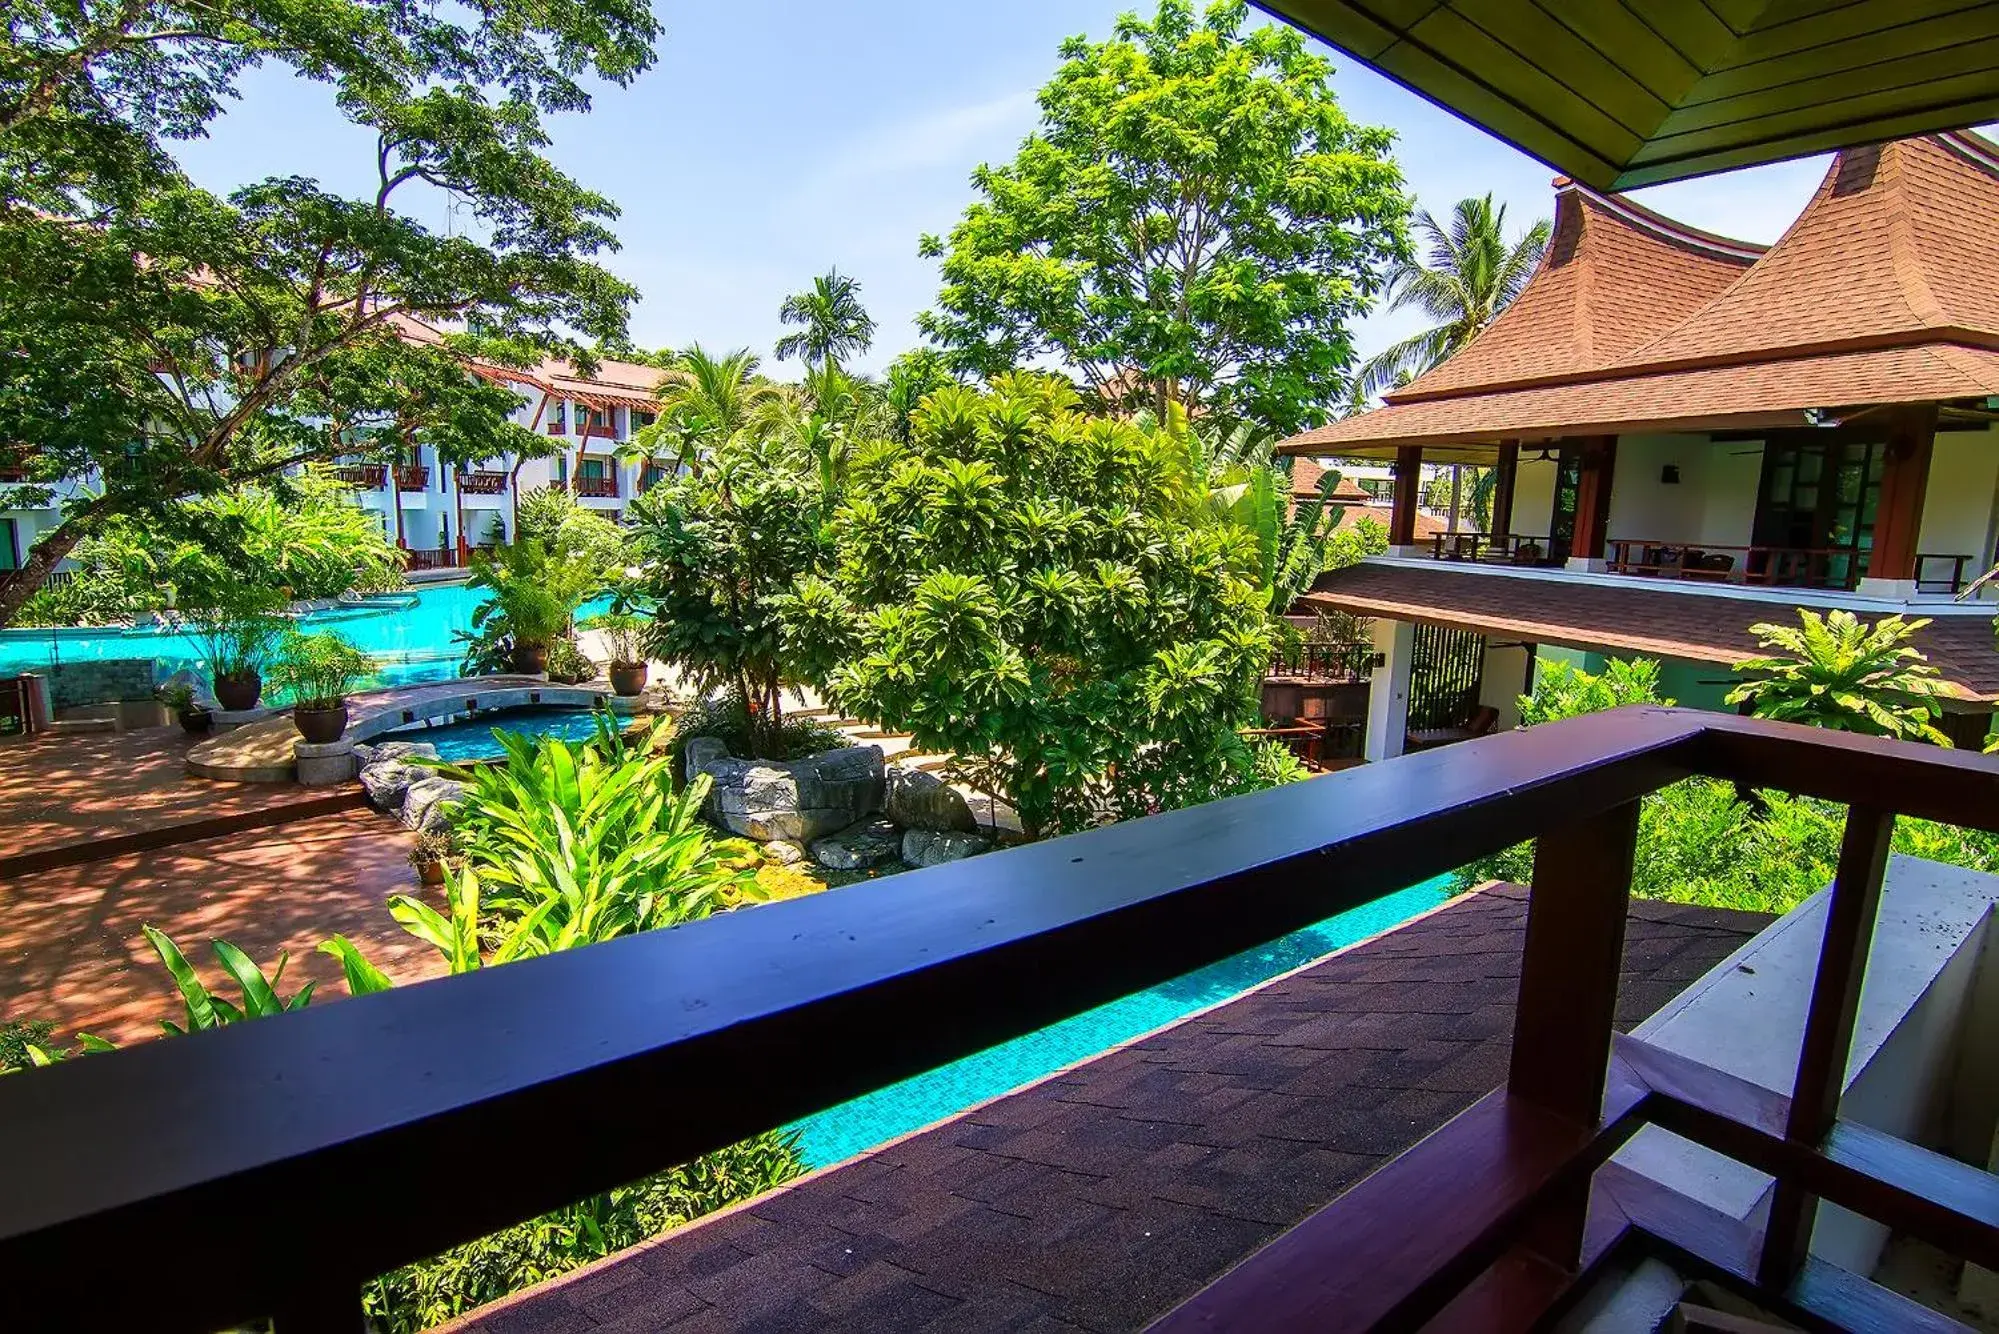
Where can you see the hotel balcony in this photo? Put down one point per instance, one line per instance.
(363, 476)
(1538, 1180)
(484, 487)
(602, 487)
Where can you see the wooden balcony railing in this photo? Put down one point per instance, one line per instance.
(412, 476)
(606, 485)
(1507, 549)
(430, 558)
(483, 483)
(367, 476)
(266, 1169)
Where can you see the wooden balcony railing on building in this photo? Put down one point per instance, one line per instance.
(431, 558)
(412, 476)
(367, 476)
(278, 1210)
(483, 483)
(606, 485)
(1835, 568)
(1505, 549)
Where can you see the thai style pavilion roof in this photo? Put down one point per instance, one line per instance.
(1885, 290)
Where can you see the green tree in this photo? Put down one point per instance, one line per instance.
(1564, 690)
(1473, 272)
(833, 324)
(1837, 671)
(1195, 221)
(705, 399)
(717, 549)
(1019, 584)
(184, 344)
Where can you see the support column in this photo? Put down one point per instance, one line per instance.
(1597, 456)
(1905, 481)
(1388, 689)
(1505, 472)
(1408, 491)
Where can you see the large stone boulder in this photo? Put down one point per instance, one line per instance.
(934, 847)
(428, 802)
(862, 844)
(794, 800)
(387, 780)
(918, 800)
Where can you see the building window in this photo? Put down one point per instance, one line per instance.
(558, 417)
(591, 469)
(562, 470)
(642, 419)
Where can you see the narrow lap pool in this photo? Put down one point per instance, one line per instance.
(838, 1133)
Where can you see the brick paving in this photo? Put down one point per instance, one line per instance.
(1101, 1197)
(59, 789)
(71, 949)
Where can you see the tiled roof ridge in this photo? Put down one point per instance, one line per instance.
(1664, 227)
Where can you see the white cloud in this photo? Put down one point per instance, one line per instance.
(953, 138)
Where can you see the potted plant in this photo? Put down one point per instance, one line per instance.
(623, 633)
(566, 662)
(179, 697)
(532, 602)
(317, 671)
(239, 644)
(431, 855)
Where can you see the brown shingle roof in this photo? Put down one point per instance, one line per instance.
(1306, 476)
(1885, 290)
(1641, 618)
(1614, 277)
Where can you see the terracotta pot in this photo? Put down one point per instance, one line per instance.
(196, 721)
(628, 678)
(531, 659)
(239, 692)
(430, 871)
(320, 727)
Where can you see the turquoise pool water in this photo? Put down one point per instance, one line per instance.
(839, 1133)
(409, 633)
(472, 738)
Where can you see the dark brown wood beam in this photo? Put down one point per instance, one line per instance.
(1905, 481)
(1408, 491)
(1599, 455)
(1505, 472)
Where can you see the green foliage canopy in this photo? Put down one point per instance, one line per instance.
(165, 342)
(1021, 586)
(1196, 220)
(1836, 671)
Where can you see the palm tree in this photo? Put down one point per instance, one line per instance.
(704, 399)
(1472, 275)
(1836, 672)
(834, 324)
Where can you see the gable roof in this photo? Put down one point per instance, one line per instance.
(1614, 277)
(1885, 290)
(1307, 474)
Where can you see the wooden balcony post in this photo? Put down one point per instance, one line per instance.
(1408, 490)
(1593, 498)
(1562, 1030)
(1905, 479)
(1504, 473)
(1849, 931)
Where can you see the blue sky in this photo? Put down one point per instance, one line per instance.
(775, 138)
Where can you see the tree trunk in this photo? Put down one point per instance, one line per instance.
(17, 586)
(1457, 494)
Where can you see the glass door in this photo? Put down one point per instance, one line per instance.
(1815, 516)
(1562, 518)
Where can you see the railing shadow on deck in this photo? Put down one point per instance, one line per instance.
(270, 1169)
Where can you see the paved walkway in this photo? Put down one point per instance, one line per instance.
(60, 789)
(1105, 1195)
(71, 949)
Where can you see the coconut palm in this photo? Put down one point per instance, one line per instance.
(704, 399)
(833, 323)
(1837, 672)
(1472, 274)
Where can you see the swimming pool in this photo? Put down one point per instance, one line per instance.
(853, 1127)
(409, 633)
(472, 738)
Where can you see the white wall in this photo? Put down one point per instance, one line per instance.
(1957, 510)
(1732, 475)
(1533, 495)
(1643, 506)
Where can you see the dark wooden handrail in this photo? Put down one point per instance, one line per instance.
(265, 1169)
